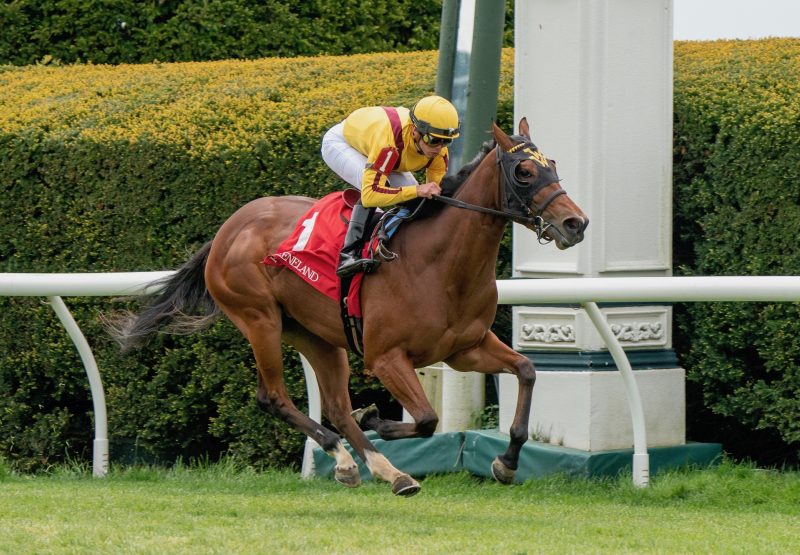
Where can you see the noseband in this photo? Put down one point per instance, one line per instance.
(517, 195)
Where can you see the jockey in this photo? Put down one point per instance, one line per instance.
(375, 149)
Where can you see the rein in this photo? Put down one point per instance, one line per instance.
(508, 182)
(477, 208)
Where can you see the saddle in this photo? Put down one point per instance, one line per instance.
(312, 252)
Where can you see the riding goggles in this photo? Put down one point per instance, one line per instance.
(436, 141)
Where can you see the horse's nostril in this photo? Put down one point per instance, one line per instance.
(574, 225)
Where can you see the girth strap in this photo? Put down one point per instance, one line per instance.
(352, 325)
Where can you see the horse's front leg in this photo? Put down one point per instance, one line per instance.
(492, 356)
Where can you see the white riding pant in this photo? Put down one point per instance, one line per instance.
(349, 164)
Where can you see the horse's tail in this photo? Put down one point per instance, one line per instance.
(182, 305)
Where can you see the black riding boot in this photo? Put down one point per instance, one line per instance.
(348, 262)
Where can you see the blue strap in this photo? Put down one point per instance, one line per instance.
(395, 220)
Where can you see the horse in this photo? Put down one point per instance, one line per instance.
(435, 302)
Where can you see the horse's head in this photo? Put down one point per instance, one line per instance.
(532, 191)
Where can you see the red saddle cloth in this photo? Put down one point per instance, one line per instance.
(312, 250)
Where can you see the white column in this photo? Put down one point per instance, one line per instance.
(594, 79)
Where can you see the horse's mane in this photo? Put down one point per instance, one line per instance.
(450, 184)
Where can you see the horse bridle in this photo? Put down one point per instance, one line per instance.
(518, 195)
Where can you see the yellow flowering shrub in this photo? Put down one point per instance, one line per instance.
(210, 106)
(204, 106)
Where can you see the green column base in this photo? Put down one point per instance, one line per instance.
(541, 459)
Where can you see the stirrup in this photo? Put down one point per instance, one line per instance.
(353, 265)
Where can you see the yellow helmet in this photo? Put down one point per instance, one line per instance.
(435, 116)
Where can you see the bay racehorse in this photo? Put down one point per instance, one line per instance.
(435, 302)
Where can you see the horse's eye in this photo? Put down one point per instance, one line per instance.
(523, 173)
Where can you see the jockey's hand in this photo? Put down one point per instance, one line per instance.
(427, 190)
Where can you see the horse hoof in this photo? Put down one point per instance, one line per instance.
(359, 415)
(405, 485)
(501, 472)
(349, 477)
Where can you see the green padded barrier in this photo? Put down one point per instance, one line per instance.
(419, 457)
(474, 450)
(541, 459)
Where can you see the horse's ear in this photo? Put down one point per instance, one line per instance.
(502, 139)
(524, 130)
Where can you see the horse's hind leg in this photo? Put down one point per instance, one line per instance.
(333, 372)
(263, 329)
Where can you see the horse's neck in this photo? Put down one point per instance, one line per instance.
(464, 243)
(482, 187)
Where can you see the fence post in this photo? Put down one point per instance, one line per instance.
(314, 412)
(100, 447)
(641, 460)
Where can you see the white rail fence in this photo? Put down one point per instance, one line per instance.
(587, 292)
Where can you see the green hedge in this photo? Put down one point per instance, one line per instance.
(128, 31)
(132, 31)
(737, 212)
(132, 168)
